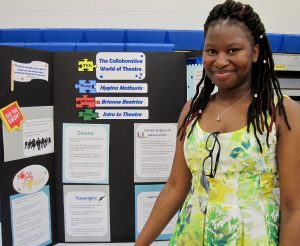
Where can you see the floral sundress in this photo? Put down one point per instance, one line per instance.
(238, 206)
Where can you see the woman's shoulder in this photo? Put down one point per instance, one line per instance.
(292, 110)
(291, 106)
(187, 106)
(185, 110)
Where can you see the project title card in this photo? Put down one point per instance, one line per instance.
(120, 66)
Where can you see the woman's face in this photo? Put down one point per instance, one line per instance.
(228, 54)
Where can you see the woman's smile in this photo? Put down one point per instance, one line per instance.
(222, 75)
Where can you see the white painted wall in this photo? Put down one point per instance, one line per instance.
(279, 16)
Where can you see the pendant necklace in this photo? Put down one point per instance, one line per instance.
(218, 118)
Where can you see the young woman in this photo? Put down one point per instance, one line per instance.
(232, 145)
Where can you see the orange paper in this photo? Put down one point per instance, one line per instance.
(12, 116)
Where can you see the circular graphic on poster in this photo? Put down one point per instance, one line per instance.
(30, 179)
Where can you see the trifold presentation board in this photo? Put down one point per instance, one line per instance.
(87, 142)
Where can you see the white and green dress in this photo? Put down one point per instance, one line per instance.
(237, 206)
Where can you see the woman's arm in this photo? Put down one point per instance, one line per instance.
(171, 197)
(288, 156)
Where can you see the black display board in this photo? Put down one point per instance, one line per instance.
(31, 94)
(165, 77)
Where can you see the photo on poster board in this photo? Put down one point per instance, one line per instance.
(85, 153)
(31, 218)
(35, 138)
(86, 213)
(154, 148)
(145, 197)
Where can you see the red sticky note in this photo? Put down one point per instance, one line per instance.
(12, 116)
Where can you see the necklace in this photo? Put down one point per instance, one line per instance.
(218, 118)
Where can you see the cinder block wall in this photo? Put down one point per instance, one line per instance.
(279, 16)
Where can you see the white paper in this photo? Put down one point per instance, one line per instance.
(154, 151)
(25, 72)
(145, 197)
(31, 218)
(193, 77)
(86, 213)
(85, 153)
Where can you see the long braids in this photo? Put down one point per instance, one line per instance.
(199, 102)
(264, 80)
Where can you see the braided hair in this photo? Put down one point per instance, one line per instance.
(264, 80)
